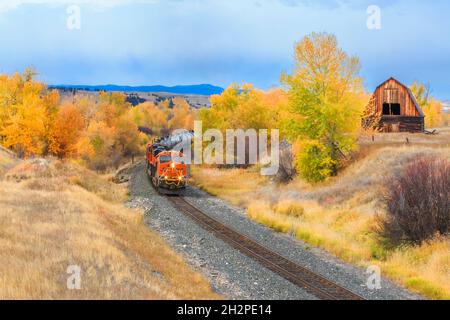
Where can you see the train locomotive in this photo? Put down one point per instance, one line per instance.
(166, 168)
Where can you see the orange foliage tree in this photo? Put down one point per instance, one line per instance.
(101, 131)
(65, 131)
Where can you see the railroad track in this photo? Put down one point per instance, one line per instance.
(311, 282)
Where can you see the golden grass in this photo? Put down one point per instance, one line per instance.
(350, 236)
(7, 160)
(289, 207)
(230, 184)
(342, 216)
(65, 216)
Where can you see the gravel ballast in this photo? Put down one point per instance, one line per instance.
(231, 273)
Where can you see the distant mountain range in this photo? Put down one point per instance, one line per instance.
(200, 89)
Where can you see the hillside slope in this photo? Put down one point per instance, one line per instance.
(342, 215)
(56, 215)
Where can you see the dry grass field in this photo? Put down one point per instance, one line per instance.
(55, 214)
(342, 215)
(7, 160)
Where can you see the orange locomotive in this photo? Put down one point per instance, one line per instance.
(166, 168)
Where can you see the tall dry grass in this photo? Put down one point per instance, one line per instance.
(231, 184)
(343, 214)
(7, 160)
(64, 215)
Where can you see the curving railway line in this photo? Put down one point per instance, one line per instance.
(311, 282)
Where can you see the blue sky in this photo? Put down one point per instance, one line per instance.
(147, 42)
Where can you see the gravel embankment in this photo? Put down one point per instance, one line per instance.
(231, 273)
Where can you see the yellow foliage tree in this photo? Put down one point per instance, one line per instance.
(24, 131)
(244, 107)
(127, 135)
(432, 108)
(26, 113)
(151, 116)
(182, 116)
(325, 101)
(98, 153)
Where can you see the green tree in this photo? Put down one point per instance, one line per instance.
(326, 99)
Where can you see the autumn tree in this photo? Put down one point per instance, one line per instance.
(182, 116)
(65, 131)
(151, 116)
(220, 116)
(431, 107)
(128, 138)
(325, 103)
(87, 106)
(112, 133)
(112, 105)
(26, 110)
(244, 107)
(434, 116)
(96, 147)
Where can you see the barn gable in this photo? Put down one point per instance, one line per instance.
(410, 102)
(394, 109)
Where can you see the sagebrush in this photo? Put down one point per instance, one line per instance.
(417, 201)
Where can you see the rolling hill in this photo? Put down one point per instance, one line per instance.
(56, 215)
(200, 89)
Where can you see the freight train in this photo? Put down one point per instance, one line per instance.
(166, 168)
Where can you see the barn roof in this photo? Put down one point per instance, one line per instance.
(419, 109)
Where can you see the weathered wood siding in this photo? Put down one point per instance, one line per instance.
(410, 118)
(402, 124)
(393, 91)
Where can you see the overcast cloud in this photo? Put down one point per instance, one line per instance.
(219, 41)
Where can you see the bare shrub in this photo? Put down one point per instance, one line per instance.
(417, 200)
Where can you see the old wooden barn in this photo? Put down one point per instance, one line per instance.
(393, 108)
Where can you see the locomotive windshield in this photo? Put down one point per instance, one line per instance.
(165, 159)
(175, 159)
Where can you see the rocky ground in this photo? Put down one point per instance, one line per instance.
(231, 273)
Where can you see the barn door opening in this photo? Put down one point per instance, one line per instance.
(391, 109)
(392, 127)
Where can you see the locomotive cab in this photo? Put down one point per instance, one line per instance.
(171, 170)
(166, 169)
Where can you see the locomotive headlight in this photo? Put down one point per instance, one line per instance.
(180, 178)
(172, 165)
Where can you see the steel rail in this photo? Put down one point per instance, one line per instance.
(311, 282)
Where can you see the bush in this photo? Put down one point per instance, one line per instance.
(417, 200)
(315, 163)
